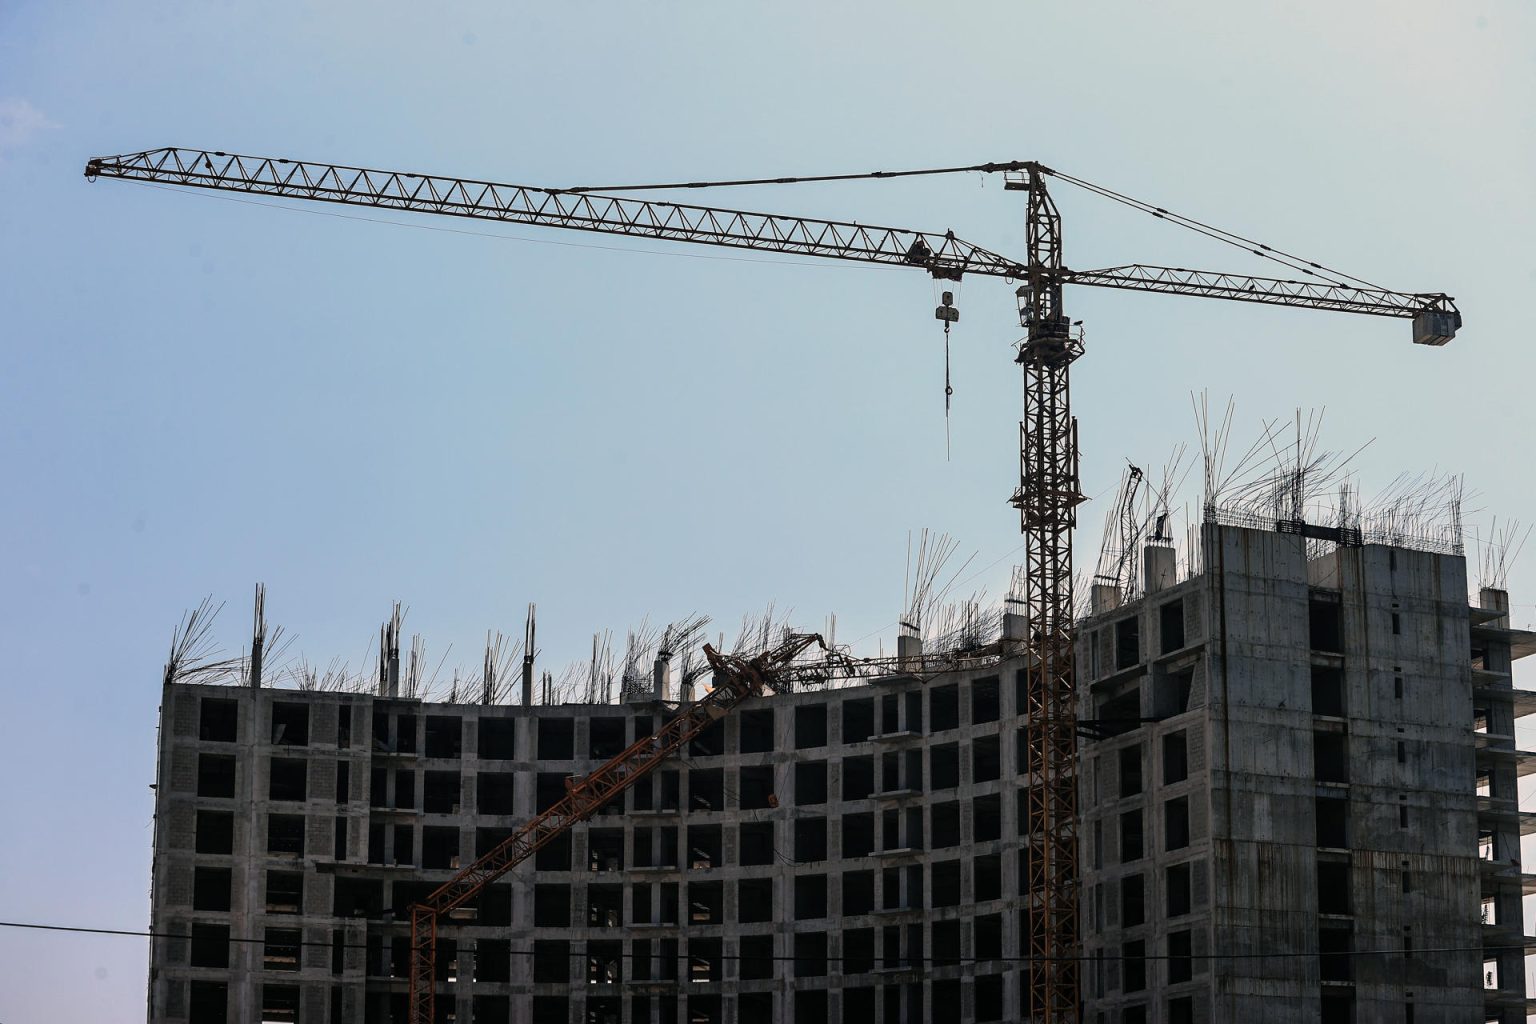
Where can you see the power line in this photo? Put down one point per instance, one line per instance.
(937, 960)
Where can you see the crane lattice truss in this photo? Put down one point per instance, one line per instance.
(1047, 495)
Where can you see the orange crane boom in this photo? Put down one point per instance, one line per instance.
(736, 680)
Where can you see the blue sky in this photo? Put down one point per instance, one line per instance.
(197, 394)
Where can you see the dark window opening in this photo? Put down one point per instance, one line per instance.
(985, 701)
(811, 960)
(858, 835)
(444, 736)
(1131, 840)
(285, 892)
(290, 724)
(344, 726)
(210, 889)
(754, 900)
(1176, 824)
(215, 832)
(208, 1002)
(1330, 756)
(1339, 1008)
(706, 903)
(810, 897)
(944, 708)
(756, 843)
(703, 966)
(605, 737)
(280, 950)
(218, 720)
(279, 1003)
(756, 732)
(551, 906)
(946, 884)
(986, 759)
(1397, 624)
(378, 787)
(1176, 887)
(1171, 692)
(405, 789)
(405, 731)
(756, 957)
(357, 897)
(343, 781)
(1334, 946)
(1332, 822)
(946, 826)
(988, 877)
(987, 818)
(858, 958)
(1170, 626)
(605, 849)
(1127, 642)
(1122, 714)
(1130, 770)
(858, 778)
(552, 963)
(944, 766)
(858, 893)
(810, 783)
(605, 906)
(1333, 887)
(1134, 966)
(440, 793)
(549, 788)
(405, 845)
(1133, 901)
(946, 943)
(890, 714)
(756, 788)
(210, 945)
(989, 997)
(987, 933)
(498, 739)
(288, 779)
(1325, 622)
(706, 847)
(1175, 758)
(554, 855)
(495, 791)
(1180, 957)
(1327, 691)
(285, 833)
(706, 789)
(439, 847)
(810, 726)
(557, 739)
(709, 743)
(215, 775)
(810, 839)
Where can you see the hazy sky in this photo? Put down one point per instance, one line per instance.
(199, 394)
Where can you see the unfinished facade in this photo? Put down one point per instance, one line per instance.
(1299, 801)
(840, 854)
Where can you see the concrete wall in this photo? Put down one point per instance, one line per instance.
(1266, 762)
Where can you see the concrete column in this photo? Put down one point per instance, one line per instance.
(1160, 568)
(1103, 597)
(660, 670)
(909, 651)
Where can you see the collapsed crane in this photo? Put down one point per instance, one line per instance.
(1048, 492)
(736, 680)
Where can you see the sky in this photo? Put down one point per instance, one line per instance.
(199, 394)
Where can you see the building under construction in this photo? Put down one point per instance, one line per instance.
(1297, 781)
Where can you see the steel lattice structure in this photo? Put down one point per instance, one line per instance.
(1047, 495)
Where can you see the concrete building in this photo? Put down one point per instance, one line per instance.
(1301, 802)
(843, 854)
(1298, 796)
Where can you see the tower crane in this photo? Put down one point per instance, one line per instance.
(1048, 492)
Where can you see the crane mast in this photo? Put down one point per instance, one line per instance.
(1047, 496)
